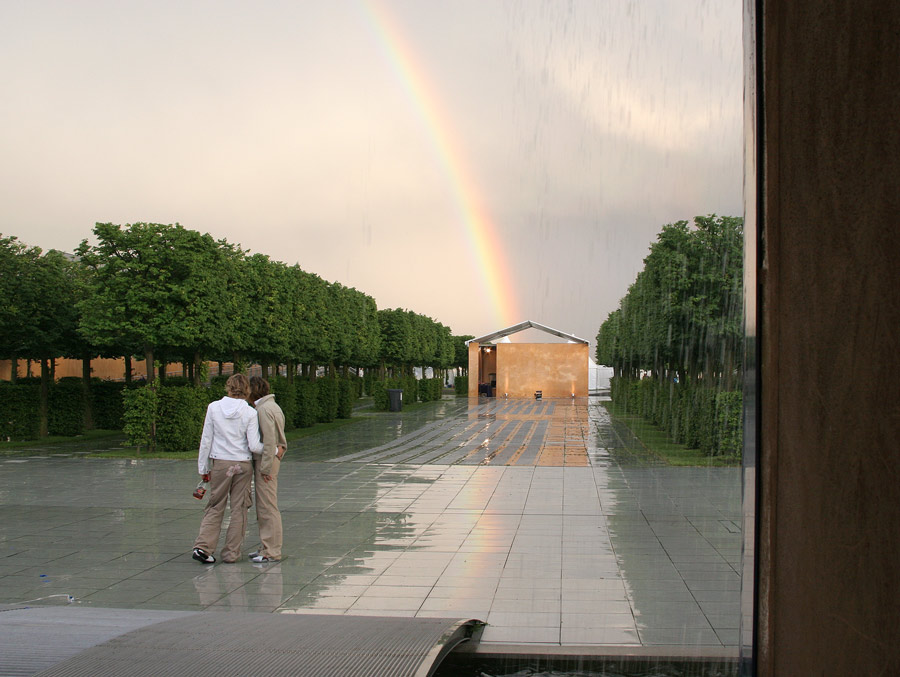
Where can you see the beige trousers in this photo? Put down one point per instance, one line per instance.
(267, 515)
(223, 489)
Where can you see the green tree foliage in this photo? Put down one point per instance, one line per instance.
(38, 316)
(675, 339)
(397, 343)
(155, 289)
(682, 315)
(411, 340)
(172, 294)
(461, 352)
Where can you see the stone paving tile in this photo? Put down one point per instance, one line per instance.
(614, 552)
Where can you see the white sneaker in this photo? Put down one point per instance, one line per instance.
(261, 559)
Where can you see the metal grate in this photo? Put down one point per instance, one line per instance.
(36, 638)
(274, 644)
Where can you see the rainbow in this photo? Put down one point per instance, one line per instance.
(480, 231)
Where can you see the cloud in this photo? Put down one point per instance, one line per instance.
(584, 127)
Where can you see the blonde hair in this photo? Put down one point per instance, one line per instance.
(238, 386)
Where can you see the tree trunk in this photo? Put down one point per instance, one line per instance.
(264, 369)
(128, 370)
(28, 368)
(148, 356)
(162, 371)
(729, 376)
(291, 368)
(86, 391)
(13, 369)
(196, 368)
(53, 369)
(221, 366)
(45, 395)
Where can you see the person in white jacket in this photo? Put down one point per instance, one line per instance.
(230, 436)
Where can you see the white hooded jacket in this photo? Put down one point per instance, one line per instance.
(230, 432)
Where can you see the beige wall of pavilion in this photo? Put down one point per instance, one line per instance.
(556, 369)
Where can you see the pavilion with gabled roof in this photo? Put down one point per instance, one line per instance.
(504, 369)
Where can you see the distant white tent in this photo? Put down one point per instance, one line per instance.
(598, 377)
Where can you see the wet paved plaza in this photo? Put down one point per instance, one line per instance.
(537, 517)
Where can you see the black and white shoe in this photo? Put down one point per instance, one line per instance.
(203, 557)
(253, 554)
(260, 559)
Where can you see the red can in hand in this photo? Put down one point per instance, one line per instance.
(200, 491)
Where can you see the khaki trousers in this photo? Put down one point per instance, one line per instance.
(267, 515)
(223, 489)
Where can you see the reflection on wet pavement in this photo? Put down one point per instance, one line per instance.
(548, 549)
(491, 432)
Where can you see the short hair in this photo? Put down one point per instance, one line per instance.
(259, 387)
(238, 386)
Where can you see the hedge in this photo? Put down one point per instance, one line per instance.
(65, 407)
(730, 411)
(369, 379)
(286, 397)
(347, 394)
(431, 389)
(168, 415)
(461, 386)
(108, 404)
(408, 384)
(139, 417)
(180, 414)
(327, 398)
(177, 381)
(217, 387)
(379, 395)
(307, 404)
(691, 414)
(20, 411)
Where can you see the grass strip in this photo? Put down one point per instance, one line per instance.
(90, 439)
(658, 442)
(96, 443)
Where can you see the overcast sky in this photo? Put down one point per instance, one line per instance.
(360, 139)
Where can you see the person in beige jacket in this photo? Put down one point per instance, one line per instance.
(265, 468)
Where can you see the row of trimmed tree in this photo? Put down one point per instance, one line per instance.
(171, 294)
(679, 329)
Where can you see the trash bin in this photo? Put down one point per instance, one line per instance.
(395, 398)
